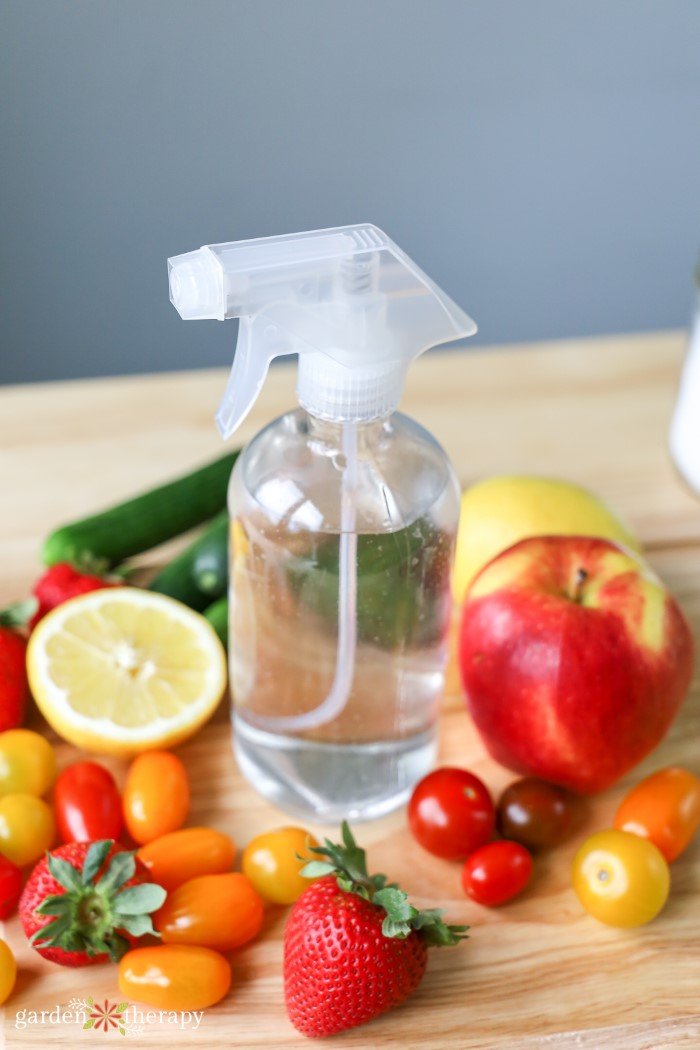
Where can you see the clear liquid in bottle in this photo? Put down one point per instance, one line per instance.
(285, 557)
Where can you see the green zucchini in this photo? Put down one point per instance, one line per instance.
(210, 567)
(107, 538)
(217, 615)
(179, 580)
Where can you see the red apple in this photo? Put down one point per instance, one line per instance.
(575, 659)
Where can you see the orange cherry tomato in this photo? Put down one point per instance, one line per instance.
(183, 855)
(271, 862)
(665, 809)
(156, 796)
(174, 976)
(218, 911)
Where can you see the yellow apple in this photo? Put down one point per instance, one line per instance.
(500, 511)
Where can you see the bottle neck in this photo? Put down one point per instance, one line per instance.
(331, 434)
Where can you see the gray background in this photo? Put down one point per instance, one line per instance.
(539, 158)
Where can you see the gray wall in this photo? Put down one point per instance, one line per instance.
(539, 158)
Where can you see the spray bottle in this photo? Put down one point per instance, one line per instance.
(343, 517)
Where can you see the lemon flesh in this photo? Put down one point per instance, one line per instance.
(123, 670)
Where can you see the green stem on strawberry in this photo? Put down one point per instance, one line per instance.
(18, 614)
(89, 914)
(349, 865)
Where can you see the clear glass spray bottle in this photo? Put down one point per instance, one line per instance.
(343, 517)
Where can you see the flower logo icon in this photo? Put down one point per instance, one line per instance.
(106, 1016)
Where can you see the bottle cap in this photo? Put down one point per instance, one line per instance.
(354, 307)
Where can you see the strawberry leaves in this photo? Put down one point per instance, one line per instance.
(122, 868)
(402, 918)
(64, 873)
(90, 912)
(348, 862)
(18, 614)
(94, 859)
(349, 865)
(399, 912)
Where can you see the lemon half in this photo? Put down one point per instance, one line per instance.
(122, 670)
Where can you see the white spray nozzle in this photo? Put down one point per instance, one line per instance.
(354, 307)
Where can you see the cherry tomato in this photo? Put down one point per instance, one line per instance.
(183, 855)
(8, 971)
(537, 814)
(451, 813)
(664, 808)
(10, 887)
(87, 804)
(27, 763)
(497, 872)
(174, 976)
(270, 862)
(620, 879)
(217, 911)
(156, 796)
(26, 828)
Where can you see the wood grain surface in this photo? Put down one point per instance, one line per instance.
(536, 973)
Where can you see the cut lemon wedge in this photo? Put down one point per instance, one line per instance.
(122, 670)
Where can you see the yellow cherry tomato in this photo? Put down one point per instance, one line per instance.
(620, 879)
(27, 763)
(8, 971)
(270, 862)
(27, 828)
(175, 976)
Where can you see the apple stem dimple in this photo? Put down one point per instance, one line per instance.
(581, 577)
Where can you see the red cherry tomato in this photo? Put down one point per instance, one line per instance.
(497, 872)
(10, 887)
(87, 804)
(451, 813)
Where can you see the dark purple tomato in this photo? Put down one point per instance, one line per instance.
(537, 814)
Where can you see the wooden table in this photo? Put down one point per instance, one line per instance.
(538, 972)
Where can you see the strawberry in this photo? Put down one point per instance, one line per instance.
(61, 582)
(10, 886)
(354, 946)
(13, 678)
(98, 900)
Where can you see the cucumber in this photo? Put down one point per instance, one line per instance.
(107, 538)
(217, 615)
(179, 580)
(210, 567)
(402, 578)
